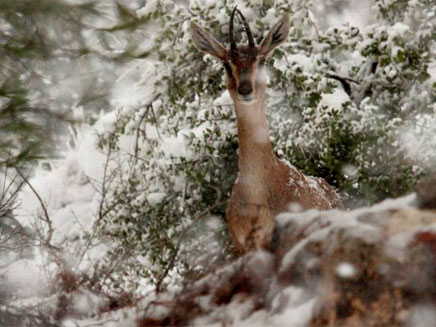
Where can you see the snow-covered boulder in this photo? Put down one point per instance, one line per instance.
(373, 266)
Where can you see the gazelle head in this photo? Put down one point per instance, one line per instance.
(243, 63)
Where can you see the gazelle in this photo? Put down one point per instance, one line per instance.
(266, 185)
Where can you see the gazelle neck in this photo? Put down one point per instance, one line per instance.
(255, 149)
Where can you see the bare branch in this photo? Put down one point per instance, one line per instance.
(43, 206)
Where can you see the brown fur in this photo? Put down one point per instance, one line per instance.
(251, 224)
(266, 185)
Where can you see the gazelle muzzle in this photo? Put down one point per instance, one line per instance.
(245, 88)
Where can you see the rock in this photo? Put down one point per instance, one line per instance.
(373, 266)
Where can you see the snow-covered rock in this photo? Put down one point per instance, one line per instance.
(367, 267)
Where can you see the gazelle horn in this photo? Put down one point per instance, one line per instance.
(231, 36)
(247, 30)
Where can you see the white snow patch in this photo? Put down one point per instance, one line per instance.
(419, 140)
(314, 184)
(298, 309)
(155, 198)
(334, 100)
(349, 171)
(178, 146)
(224, 99)
(345, 270)
(126, 317)
(301, 60)
(149, 8)
(423, 316)
(397, 30)
(26, 277)
(87, 303)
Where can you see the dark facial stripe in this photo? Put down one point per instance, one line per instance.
(228, 69)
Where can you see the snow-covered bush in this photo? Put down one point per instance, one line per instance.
(346, 131)
(342, 104)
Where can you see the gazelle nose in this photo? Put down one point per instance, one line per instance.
(245, 88)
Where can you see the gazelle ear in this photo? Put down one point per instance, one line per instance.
(278, 34)
(205, 42)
